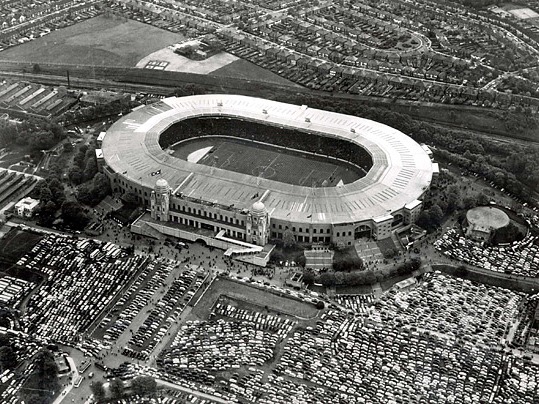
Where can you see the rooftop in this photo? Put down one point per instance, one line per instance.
(401, 170)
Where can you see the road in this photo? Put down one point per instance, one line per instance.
(164, 383)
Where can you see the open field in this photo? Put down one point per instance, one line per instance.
(251, 295)
(269, 162)
(17, 243)
(168, 60)
(243, 69)
(98, 41)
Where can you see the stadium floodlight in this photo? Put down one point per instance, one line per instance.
(307, 119)
(352, 130)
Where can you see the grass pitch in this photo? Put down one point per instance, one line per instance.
(270, 162)
(250, 295)
(99, 41)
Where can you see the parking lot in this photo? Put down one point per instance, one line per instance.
(518, 258)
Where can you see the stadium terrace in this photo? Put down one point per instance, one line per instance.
(254, 209)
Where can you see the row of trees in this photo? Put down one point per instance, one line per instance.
(357, 278)
(84, 165)
(36, 134)
(51, 194)
(42, 383)
(141, 385)
(8, 356)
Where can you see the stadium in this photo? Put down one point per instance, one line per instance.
(323, 176)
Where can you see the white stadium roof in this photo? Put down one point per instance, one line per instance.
(401, 170)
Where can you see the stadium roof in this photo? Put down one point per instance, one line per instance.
(401, 169)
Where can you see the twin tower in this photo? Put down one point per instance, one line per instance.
(252, 226)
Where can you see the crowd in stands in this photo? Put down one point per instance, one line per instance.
(294, 139)
(518, 258)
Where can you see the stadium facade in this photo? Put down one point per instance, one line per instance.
(252, 209)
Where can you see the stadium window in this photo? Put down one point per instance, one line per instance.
(300, 230)
(280, 227)
(242, 223)
(314, 231)
(349, 233)
(327, 231)
(273, 234)
(338, 234)
(221, 218)
(293, 229)
(273, 225)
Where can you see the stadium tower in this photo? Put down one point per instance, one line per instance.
(258, 221)
(160, 200)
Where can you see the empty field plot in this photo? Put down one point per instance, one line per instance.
(268, 161)
(243, 69)
(251, 295)
(17, 243)
(178, 63)
(98, 41)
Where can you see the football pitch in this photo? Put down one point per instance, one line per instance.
(271, 162)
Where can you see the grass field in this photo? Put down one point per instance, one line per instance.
(250, 295)
(17, 243)
(98, 41)
(243, 69)
(269, 162)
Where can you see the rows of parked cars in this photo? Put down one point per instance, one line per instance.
(517, 258)
(83, 276)
(152, 277)
(456, 308)
(167, 309)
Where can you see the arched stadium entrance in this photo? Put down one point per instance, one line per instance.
(397, 219)
(363, 230)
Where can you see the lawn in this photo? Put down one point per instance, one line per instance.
(100, 41)
(250, 295)
(17, 243)
(243, 69)
(269, 162)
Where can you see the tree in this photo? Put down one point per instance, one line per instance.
(42, 383)
(98, 390)
(129, 198)
(8, 358)
(73, 215)
(75, 175)
(289, 240)
(90, 169)
(144, 385)
(116, 387)
(327, 278)
(436, 215)
(276, 256)
(308, 277)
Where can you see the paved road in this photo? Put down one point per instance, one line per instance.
(169, 385)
